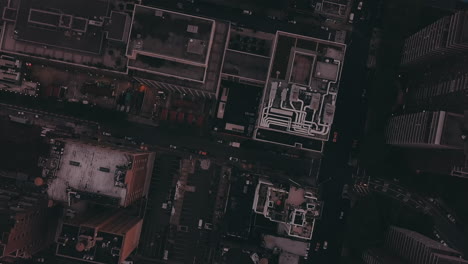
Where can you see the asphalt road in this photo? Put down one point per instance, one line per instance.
(334, 170)
(186, 139)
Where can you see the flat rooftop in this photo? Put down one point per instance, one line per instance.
(178, 52)
(296, 208)
(301, 90)
(170, 43)
(117, 28)
(91, 169)
(61, 24)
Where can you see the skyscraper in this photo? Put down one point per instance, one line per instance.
(434, 65)
(406, 246)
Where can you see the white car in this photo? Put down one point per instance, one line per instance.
(359, 7)
(172, 147)
(341, 215)
(292, 22)
(233, 159)
(325, 244)
(247, 12)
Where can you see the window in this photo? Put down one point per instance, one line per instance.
(74, 163)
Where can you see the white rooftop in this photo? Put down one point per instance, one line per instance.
(87, 176)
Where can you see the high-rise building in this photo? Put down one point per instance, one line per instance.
(27, 222)
(406, 246)
(448, 35)
(426, 130)
(100, 173)
(99, 236)
(434, 71)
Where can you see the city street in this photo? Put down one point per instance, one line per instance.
(348, 124)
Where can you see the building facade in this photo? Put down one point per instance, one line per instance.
(99, 236)
(416, 248)
(27, 223)
(438, 129)
(448, 35)
(406, 246)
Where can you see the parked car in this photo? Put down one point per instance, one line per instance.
(233, 159)
(247, 12)
(335, 137)
(234, 144)
(172, 147)
(325, 244)
(451, 218)
(341, 215)
(317, 246)
(351, 18)
(359, 7)
(203, 153)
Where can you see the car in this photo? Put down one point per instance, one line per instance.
(345, 192)
(317, 246)
(172, 147)
(107, 134)
(359, 7)
(341, 215)
(328, 20)
(233, 159)
(247, 12)
(203, 153)
(292, 21)
(335, 137)
(220, 141)
(451, 218)
(324, 28)
(351, 18)
(325, 244)
(273, 17)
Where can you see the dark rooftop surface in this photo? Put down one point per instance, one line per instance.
(117, 26)
(246, 65)
(90, 41)
(239, 212)
(24, 142)
(168, 67)
(168, 33)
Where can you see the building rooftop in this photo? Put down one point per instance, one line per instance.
(118, 27)
(297, 208)
(178, 52)
(91, 171)
(299, 99)
(99, 236)
(74, 25)
(171, 43)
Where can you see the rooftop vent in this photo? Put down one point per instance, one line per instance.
(192, 29)
(158, 13)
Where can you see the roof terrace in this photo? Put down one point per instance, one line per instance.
(296, 207)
